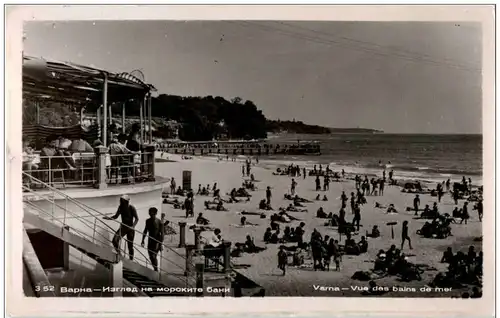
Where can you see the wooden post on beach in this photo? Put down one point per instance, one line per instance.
(182, 234)
(197, 238)
(227, 256)
(200, 268)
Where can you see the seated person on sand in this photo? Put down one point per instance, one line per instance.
(333, 220)
(274, 226)
(350, 246)
(391, 209)
(363, 245)
(274, 238)
(325, 198)
(375, 232)
(321, 213)
(250, 246)
(264, 206)
(241, 192)
(318, 197)
(199, 190)
(380, 262)
(267, 235)
(430, 214)
(238, 250)
(202, 220)
(179, 191)
(244, 222)
(447, 256)
(457, 213)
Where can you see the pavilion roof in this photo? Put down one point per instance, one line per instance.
(67, 82)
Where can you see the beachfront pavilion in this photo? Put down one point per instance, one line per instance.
(85, 88)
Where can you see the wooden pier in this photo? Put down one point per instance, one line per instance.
(227, 148)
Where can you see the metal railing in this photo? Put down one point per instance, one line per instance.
(63, 169)
(94, 228)
(130, 168)
(81, 169)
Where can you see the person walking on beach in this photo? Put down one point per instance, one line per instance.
(243, 170)
(318, 183)
(448, 185)
(129, 217)
(479, 208)
(357, 216)
(282, 259)
(155, 228)
(353, 202)
(440, 192)
(381, 186)
(293, 186)
(405, 236)
(172, 186)
(189, 205)
(268, 196)
(304, 172)
(465, 213)
(416, 204)
(344, 199)
(326, 183)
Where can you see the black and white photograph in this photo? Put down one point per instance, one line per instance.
(254, 158)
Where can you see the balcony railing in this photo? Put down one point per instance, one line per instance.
(80, 169)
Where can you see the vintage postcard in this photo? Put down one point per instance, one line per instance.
(250, 159)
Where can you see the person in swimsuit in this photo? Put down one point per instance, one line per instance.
(129, 217)
(156, 230)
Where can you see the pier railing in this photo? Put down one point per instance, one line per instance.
(242, 148)
(84, 169)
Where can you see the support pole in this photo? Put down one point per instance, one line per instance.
(105, 110)
(110, 115)
(123, 118)
(150, 119)
(81, 115)
(37, 105)
(141, 115)
(182, 234)
(116, 271)
(99, 123)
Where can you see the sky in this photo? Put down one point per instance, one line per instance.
(400, 77)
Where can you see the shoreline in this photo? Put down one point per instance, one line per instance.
(427, 179)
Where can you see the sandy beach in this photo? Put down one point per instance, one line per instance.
(302, 281)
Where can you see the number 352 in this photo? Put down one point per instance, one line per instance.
(44, 288)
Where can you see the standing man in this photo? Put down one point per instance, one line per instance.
(189, 205)
(405, 236)
(172, 186)
(268, 196)
(416, 204)
(155, 228)
(129, 217)
(304, 172)
(293, 186)
(479, 208)
(357, 216)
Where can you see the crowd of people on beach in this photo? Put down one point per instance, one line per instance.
(291, 241)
